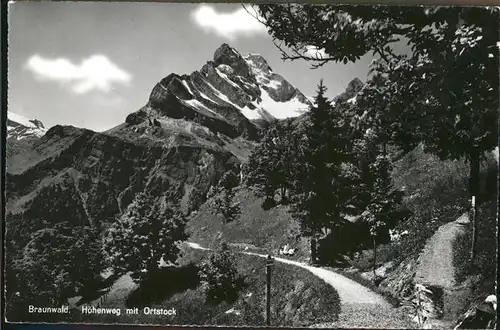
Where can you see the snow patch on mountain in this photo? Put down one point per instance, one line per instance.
(261, 70)
(20, 127)
(187, 87)
(199, 106)
(246, 111)
(251, 114)
(21, 120)
(208, 99)
(282, 110)
(266, 77)
(226, 78)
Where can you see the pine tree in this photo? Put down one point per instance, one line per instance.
(143, 236)
(312, 218)
(322, 190)
(379, 199)
(285, 155)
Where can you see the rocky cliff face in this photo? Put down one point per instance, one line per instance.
(351, 91)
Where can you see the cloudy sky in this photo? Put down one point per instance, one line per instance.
(91, 64)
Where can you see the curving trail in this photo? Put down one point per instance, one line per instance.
(436, 260)
(361, 307)
(349, 291)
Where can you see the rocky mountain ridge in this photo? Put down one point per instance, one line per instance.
(353, 88)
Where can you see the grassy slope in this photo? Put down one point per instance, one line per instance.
(298, 299)
(260, 230)
(436, 193)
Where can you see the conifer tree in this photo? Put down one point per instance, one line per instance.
(379, 201)
(321, 191)
(308, 207)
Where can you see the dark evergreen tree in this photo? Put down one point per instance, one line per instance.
(308, 207)
(384, 206)
(322, 187)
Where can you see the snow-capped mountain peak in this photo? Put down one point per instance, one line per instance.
(231, 94)
(20, 127)
(279, 98)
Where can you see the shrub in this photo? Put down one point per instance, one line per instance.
(196, 199)
(268, 204)
(57, 263)
(219, 276)
(229, 180)
(223, 197)
(143, 236)
(422, 305)
(223, 204)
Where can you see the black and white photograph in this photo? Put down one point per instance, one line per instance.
(252, 165)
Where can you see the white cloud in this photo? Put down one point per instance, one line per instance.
(96, 72)
(228, 25)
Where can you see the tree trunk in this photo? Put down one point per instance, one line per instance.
(474, 193)
(374, 258)
(339, 243)
(151, 268)
(313, 248)
(283, 194)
